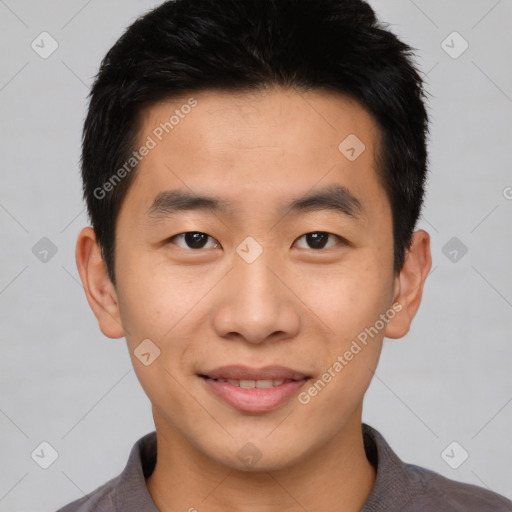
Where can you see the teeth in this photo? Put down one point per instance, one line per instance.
(249, 384)
(264, 384)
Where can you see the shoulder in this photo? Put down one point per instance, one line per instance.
(401, 486)
(436, 492)
(102, 498)
(127, 492)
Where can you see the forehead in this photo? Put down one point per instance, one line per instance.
(255, 148)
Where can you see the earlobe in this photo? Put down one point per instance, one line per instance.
(99, 290)
(409, 284)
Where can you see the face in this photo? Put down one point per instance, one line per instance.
(281, 282)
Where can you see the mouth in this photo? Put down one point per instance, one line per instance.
(254, 389)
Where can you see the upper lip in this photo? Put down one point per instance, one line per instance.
(237, 372)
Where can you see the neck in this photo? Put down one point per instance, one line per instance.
(336, 477)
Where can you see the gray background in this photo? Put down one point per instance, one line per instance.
(63, 382)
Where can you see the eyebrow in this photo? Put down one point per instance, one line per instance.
(332, 197)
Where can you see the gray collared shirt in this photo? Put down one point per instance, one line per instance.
(398, 486)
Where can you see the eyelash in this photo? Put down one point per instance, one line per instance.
(343, 241)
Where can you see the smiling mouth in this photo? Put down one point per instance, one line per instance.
(254, 390)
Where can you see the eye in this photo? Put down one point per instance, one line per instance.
(318, 240)
(197, 240)
(192, 239)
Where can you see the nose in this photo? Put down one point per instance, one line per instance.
(256, 303)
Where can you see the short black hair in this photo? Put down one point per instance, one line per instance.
(184, 46)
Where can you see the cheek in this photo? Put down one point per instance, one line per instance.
(349, 356)
(153, 297)
(351, 303)
(348, 298)
(161, 305)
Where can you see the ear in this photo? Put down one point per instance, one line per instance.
(409, 284)
(99, 290)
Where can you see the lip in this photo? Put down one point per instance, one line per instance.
(254, 399)
(238, 372)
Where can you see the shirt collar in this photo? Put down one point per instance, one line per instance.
(392, 482)
(390, 488)
(131, 493)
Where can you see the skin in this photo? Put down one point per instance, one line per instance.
(294, 306)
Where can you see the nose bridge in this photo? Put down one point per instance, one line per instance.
(256, 282)
(255, 303)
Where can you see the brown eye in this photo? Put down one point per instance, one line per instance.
(318, 240)
(192, 240)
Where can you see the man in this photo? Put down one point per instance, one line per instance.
(254, 171)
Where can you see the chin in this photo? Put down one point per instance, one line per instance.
(252, 458)
(264, 465)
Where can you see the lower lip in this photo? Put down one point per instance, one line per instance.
(254, 399)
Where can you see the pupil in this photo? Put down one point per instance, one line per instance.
(193, 239)
(317, 240)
